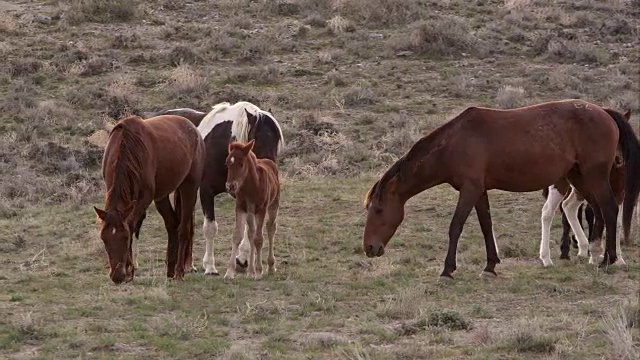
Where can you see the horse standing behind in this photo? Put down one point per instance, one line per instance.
(241, 121)
(255, 185)
(518, 150)
(563, 192)
(145, 161)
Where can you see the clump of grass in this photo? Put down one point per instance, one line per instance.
(353, 351)
(404, 304)
(184, 80)
(102, 11)
(122, 98)
(527, 337)
(8, 24)
(339, 25)
(181, 54)
(571, 51)
(446, 318)
(440, 37)
(128, 40)
(359, 94)
(382, 12)
(617, 327)
(511, 97)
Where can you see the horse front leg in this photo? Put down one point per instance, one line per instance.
(483, 211)
(241, 220)
(469, 195)
(257, 242)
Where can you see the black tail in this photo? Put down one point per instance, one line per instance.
(631, 154)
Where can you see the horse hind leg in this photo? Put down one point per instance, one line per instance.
(570, 207)
(242, 260)
(272, 214)
(188, 197)
(595, 182)
(548, 209)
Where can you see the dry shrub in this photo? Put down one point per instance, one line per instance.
(405, 304)
(122, 98)
(184, 80)
(102, 11)
(529, 337)
(130, 40)
(400, 133)
(618, 329)
(91, 67)
(381, 12)
(511, 97)
(359, 94)
(8, 24)
(626, 100)
(315, 20)
(517, 4)
(571, 51)
(339, 25)
(181, 54)
(440, 37)
(21, 95)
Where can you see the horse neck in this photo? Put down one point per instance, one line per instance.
(251, 185)
(424, 167)
(266, 146)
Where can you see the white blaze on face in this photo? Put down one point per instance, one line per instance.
(232, 160)
(113, 231)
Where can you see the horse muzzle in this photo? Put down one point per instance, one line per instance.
(374, 250)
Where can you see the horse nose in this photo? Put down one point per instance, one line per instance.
(231, 187)
(374, 250)
(118, 275)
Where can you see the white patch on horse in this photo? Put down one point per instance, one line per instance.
(232, 160)
(570, 206)
(219, 113)
(113, 231)
(210, 229)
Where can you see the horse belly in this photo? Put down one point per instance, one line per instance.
(525, 176)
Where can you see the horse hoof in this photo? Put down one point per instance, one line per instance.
(621, 261)
(229, 276)
(212, 272)
(547, 263)
(488, 275)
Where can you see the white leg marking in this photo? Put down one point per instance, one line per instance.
(570, 207)
(620, 260)
(210, 230)
(550, 206)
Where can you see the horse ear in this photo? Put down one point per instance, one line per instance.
(101, 214)
(269, 111)
(229, 149)
(627, 115)
(249, 146)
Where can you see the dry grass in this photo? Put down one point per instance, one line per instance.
(348, 107)
(619, 327)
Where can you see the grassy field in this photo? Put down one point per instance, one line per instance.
(353, 83)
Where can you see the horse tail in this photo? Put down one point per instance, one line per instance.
(631, 154)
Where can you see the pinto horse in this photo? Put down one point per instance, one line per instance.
(145, 161)
(242, 121)
(557, 194)
(255, 185)
(517, 150)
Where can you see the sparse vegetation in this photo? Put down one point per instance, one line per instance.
(354, 84)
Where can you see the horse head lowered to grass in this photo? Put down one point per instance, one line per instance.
(518, 150)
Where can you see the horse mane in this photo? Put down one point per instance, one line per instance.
(210, 121)
(240, 128)
(426, 143)
(131, 152)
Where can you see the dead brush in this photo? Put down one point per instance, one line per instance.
(618, 326)
(405, 304)
(511, 97)
(8, 24)
(185, 80)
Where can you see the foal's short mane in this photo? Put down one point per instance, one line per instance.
(130, 158)
(425, 144)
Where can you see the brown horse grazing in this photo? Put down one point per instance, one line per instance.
(145, 161)
(255, 185)
(518, 150)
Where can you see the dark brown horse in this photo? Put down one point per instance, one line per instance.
(145, 161)
(242, 121)
(255, 185)
(518, 150)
